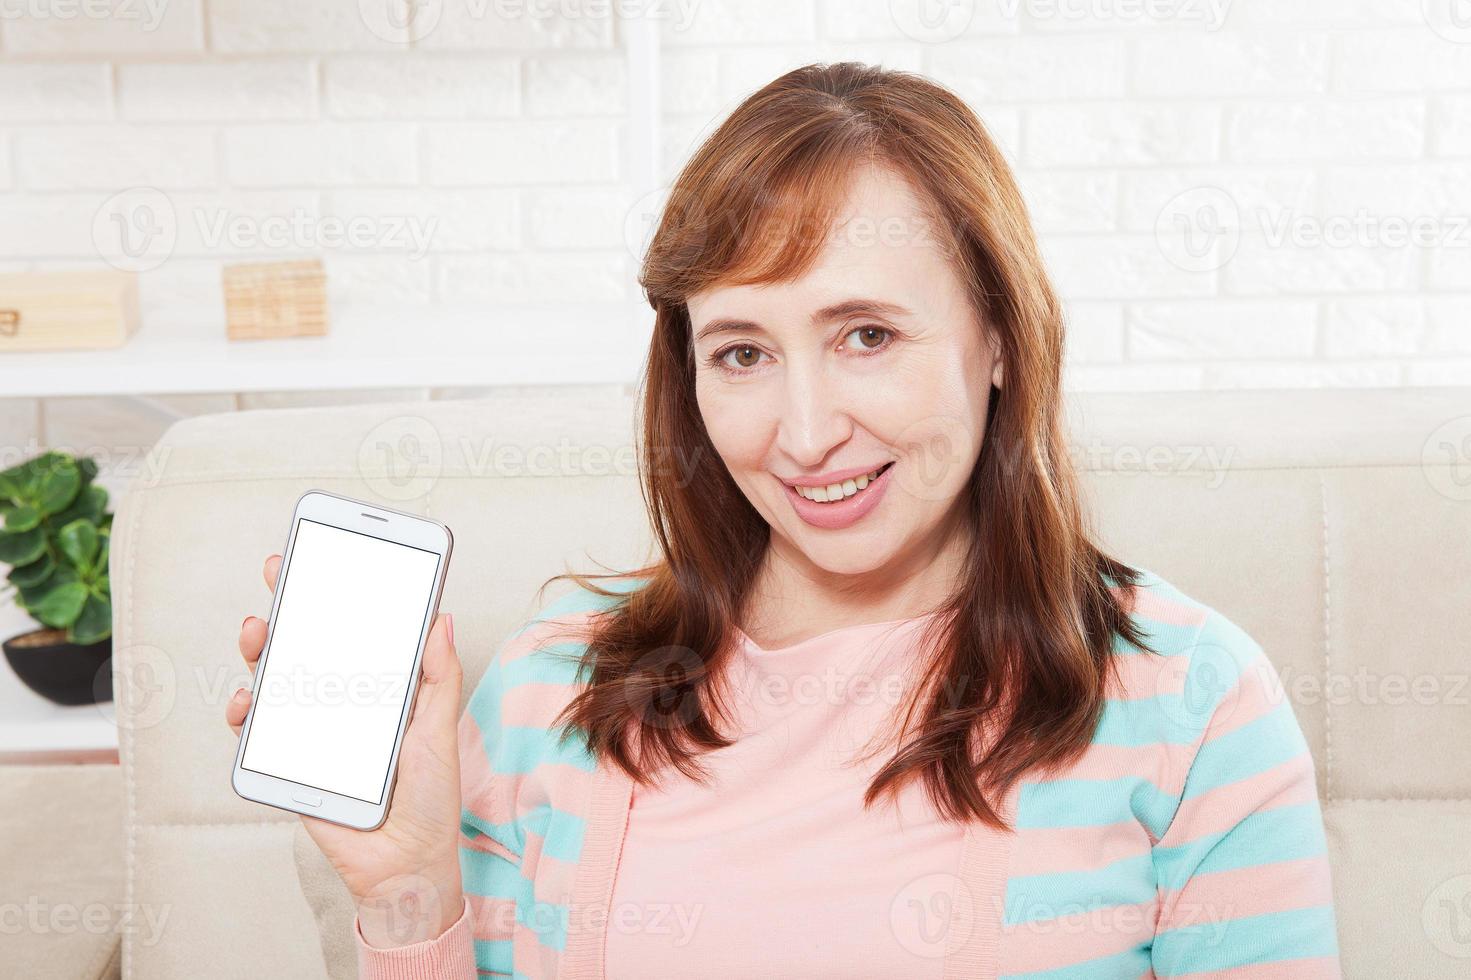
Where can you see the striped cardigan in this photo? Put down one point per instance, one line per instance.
(1187, 841)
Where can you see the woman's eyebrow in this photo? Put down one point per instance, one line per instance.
(856, 307)
(837, 311)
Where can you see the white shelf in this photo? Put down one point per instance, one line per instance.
(177, 353)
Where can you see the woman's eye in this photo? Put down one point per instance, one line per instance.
(743, 357)
(867, 339)
(740, 356)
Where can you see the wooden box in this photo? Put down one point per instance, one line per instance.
(67, 310)
(275, 299)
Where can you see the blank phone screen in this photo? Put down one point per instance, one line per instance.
(334, 681)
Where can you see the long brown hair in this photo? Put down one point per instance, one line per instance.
(1022, 648)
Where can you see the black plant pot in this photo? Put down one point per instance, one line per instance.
(66, 673)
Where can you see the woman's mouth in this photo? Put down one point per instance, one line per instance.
(839, 505)
(834, 492)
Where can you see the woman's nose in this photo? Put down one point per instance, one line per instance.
(814, 416)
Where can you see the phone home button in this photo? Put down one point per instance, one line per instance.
(309, 799)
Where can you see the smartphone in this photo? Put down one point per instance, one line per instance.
(355, 599)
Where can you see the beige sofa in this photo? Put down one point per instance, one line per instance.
(1335, 526)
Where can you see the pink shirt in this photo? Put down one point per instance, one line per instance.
(777, 851)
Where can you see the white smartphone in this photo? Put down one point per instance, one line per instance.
(356, 596)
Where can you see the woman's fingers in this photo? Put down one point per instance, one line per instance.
(236, 709)
(253, 629)
(252, 640)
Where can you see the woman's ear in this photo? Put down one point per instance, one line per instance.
(992, 345)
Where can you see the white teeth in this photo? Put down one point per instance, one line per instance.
(837, 491)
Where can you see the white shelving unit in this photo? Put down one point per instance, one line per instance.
(371, 349)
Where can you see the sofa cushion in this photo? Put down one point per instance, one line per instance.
(61, 873)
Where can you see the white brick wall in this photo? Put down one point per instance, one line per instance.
(1136, 130)
(321, 154)
(1304, 113)
(420, 86)
(275, 88)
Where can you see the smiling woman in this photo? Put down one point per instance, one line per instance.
(1070, 768)
(845, 279)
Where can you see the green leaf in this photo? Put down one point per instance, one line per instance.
(22, 548)
(99, 565)
(32, 594)
(16, 482)
(21, 518)
(94, 623)
(25, 478)
(91, 503)
(87, 467)
(103, 585)
(27, 576)
(61, 606)
(58, 486)
(78, 541)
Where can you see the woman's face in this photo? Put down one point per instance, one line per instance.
(873, 358)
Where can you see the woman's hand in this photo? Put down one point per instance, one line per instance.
(404, 877)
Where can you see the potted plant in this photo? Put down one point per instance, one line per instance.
(55, 538)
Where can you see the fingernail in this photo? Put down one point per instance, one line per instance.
(239, 696)
(244, 621)
(449, 626)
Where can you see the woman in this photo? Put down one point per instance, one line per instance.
(882, 709)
